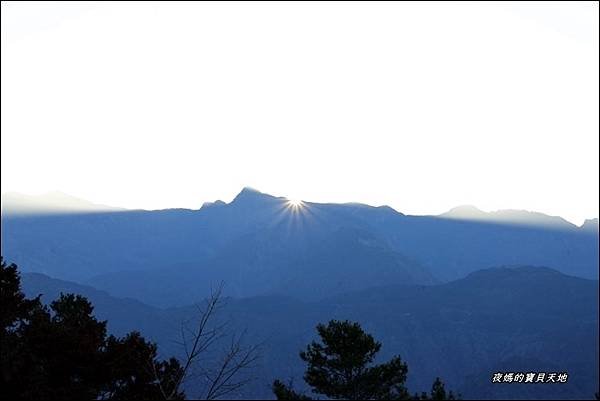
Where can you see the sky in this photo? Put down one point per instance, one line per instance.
(419, 106)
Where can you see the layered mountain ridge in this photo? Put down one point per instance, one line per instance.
(512, 318)
(262, 244)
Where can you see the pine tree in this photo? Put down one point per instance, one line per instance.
(340, 366)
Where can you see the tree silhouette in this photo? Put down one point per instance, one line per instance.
(136, 374)
(286, 392)
(341, 366)
(62, 352)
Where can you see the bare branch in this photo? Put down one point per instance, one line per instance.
(236, 359)
(197, 340)
(157, 378)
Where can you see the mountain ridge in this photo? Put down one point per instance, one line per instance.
(534, 319)
(261, 243)
(252, 195)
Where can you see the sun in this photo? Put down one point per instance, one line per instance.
(295, 203)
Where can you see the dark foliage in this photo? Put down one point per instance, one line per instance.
(341, 367)
(286, 392)
(63, 352)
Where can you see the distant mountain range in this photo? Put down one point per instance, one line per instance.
(259, 244)
(54, 202)
(514, 217)
(415, 282)
(517, 319)
(14, 203)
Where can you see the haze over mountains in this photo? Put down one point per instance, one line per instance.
(261, 244)
(60, 202)
(429, 287)
(55, 202)
(501, 319)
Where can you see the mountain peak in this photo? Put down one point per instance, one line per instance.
(216, 203)
(250, 195)
(590, 224)
(249, 191)
(464, 211)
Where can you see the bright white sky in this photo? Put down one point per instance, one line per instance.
(419, 106)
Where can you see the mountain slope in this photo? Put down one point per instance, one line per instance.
(501, 319)
(259, 244)
(307, 263)
(123, 314)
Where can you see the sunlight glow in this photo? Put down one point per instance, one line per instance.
(304, 108)
(295, 203)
